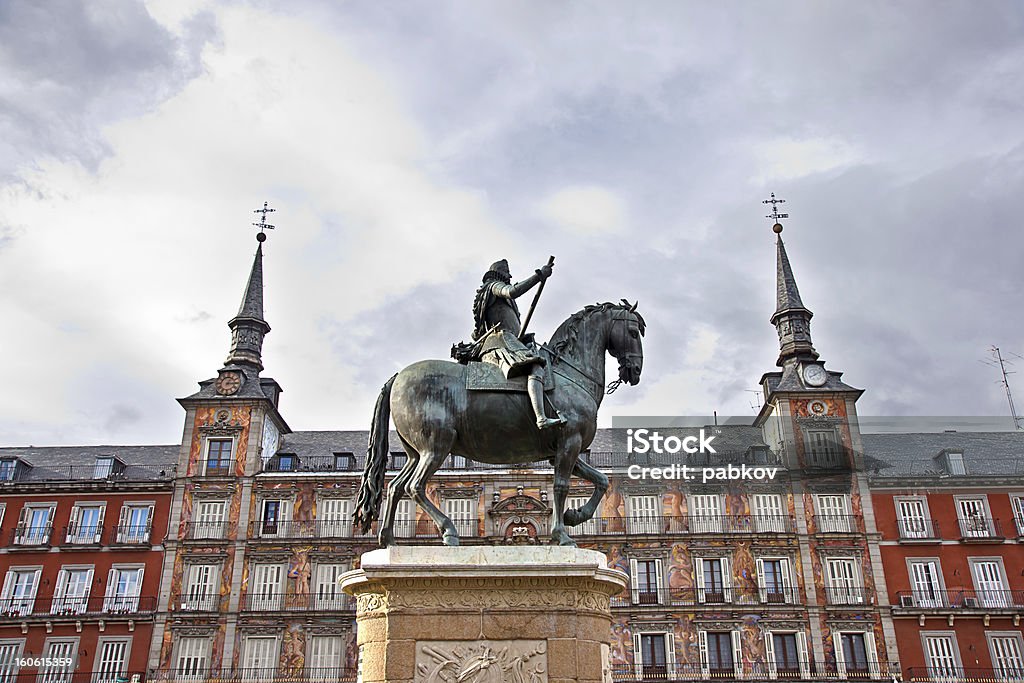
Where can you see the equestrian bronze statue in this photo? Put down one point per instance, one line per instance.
(490, 406)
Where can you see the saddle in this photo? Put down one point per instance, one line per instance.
(487, 377)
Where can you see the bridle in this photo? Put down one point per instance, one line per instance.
(628, 357)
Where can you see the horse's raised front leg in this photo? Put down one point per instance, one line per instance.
(595, 476)
(564, 465)
(396, 489)
(429, 463)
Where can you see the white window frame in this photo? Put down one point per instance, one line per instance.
(643, 514)
(334, 517)
(937, 670)
(769, 517)
(849, 588)
(191, 657)
(725, 565)
(209, 518)
(11, 650)
(819, 456)
(256, 649)
(802, 656)
(463, 513)
(830, 518)
(870, 651)
(131, 531)
(331, 647)
(587, 528)
(281, 525)
(201, 589)
(266, 594)
(107, 669)
(670, 653)
(912, 526)
(988, 594)
(57, 649)
(787, 575)
(659, 577)
(84, 535)
(62, 602)
(231, 459)
(405, 518)
(327, 593)
(927, 596)
(1017, 503)
(1006, 670)
(707, 513)
(28, 533)
(705, 658)
(24, 604)
(977, 524)
(123, 603)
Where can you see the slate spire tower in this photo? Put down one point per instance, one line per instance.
(248, 328)
(791, 319)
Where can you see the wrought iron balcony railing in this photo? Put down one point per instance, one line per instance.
(202, 674)
(692, 524)
(838, 524)
(72, 606)
(975, 528)
(848, 595)
(31, 534)
(812, 670)
(960, 599)
(209, 531)
(919, 529)
(958, 674)
(197, 601)
(330, 600)
(770, 595)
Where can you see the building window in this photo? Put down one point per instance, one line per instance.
(823, 448)
(974, 518)
(720, 653)
(769, 514)
(912, 518)
(646, 581)
(706, 514)
(35, 525)
(200, 593)
(855, 655)
(10, 653)
(654, 655)
(265, 587)
(1018, 513)
(8, 469)
(111, 660)
(218, 457)
(833, 514)
(19, 592)
(955, 464)
(942, 657)
(462, 512)
(713, 578)
(843, 585)
(334, 517)
(86, 523)
(926, 583)
(193, 660)
(990, 583)
(275, 516)
(774, 580)
(644, 515)
(287, 462)
(59, 656)
(261, 657)
(71, 594)
(405, 519)
(103, 467)
(587, 528)
(209, 519)
(1007, 662)
(124, 586)
(344, 462)
(329, 595)
(326, 658)
(786, 654)
(135, 523)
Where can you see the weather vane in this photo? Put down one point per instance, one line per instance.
(775, 215)
(264, 225)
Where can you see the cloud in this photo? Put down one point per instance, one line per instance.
(585, 210)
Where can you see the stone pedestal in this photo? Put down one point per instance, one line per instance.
(484, 614)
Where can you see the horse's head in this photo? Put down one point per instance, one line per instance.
(624, 341)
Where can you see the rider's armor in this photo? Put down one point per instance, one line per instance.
(497, 328)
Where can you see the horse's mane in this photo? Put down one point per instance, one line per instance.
(565, 337)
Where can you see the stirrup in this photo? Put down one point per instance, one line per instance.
(549, 422)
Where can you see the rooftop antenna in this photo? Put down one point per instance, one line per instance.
(755, 404)
(999, 362)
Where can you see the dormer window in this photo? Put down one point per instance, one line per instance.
(955, 464)
(106, 466)
(344, 462)
(287, 462)
(8, 469)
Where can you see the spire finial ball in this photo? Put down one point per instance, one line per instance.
(261, 237)
(777, 228)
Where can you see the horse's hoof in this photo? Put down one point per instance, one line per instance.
(450, 539)
(572, 517)
(385, 539)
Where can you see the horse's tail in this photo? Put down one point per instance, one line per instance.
(371, 488)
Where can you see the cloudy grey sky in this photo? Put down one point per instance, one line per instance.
(406, 145)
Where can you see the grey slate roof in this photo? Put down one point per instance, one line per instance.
(76, 463)
(252, 386)
(252, 299)
(787, 295)
(914, 455)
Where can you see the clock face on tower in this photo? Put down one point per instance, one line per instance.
(228, 383)
(814, 375)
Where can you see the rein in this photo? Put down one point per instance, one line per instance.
(612, 386)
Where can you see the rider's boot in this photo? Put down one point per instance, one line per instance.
(535, 388)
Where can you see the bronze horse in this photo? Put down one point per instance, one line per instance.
(436, 415)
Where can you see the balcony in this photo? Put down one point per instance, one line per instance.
(838, 524)
(693, 524)
(960, 599)
(130, 534)
(201, 602)
(284, 602)
(849, 596)
(32, 535)
(269, 675)
(63, 606)
(209, 531)
(706, 596)
(964, 675)
(919, 531)
(980, 530)
(815, 670)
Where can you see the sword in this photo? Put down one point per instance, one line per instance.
(533, 306)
